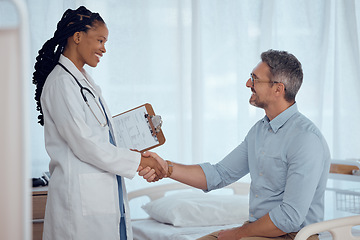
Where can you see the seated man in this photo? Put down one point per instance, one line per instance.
(285, 153)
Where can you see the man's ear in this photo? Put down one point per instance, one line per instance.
(280, 87)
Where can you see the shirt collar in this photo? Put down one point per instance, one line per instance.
(282, 118)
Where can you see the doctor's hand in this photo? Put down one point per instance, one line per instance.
(152, 168)
(148, 173)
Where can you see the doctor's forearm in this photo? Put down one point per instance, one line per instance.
(192, 175)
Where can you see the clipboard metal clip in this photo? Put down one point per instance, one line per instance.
(155, 122)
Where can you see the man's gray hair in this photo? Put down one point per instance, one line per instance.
(285, 68)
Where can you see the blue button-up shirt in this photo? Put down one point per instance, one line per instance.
(288, 160)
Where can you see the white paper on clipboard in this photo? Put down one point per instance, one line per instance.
(133, 131)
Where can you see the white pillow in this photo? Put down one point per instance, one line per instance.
(199, 209)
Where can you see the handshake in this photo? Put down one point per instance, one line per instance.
(152, 167)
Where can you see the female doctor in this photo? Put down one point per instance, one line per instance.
(87, 197)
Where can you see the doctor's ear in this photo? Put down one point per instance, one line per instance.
(77, 37)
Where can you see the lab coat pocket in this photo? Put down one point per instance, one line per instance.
(97, 193)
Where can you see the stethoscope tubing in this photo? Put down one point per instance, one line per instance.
(82, 89)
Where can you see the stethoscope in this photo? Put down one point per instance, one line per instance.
(82, 91)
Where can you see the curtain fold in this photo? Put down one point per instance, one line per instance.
(197, 10)
(346, 66)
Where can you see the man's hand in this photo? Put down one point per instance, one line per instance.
(152, 167)
(150, 173)
(229, 234)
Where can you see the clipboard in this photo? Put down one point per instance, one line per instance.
(138, 129)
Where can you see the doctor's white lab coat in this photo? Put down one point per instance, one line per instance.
(83, 198)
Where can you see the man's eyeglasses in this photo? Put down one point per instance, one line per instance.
(253, 79)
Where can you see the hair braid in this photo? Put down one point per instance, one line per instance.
(71, 22)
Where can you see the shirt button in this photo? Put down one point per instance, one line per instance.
(260, 174)
(251, 215)
(256, 196)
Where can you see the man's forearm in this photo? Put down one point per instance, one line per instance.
(192, 175)
(263, 227)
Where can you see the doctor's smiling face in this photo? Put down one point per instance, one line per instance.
(90, 45)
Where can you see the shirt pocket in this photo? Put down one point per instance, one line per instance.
(97, 193)
(274, 172)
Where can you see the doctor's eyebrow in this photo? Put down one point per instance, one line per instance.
(105, 39)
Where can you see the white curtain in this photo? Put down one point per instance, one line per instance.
(191, 59)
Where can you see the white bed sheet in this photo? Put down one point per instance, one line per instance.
(149, 229)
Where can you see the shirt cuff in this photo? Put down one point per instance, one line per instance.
(212, 177)
(282, 221)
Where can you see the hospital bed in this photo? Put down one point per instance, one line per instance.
(178, 207)
(339, 229)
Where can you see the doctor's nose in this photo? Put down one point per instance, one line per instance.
(103, 48)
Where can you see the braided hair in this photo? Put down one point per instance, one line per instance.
(72, 21)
